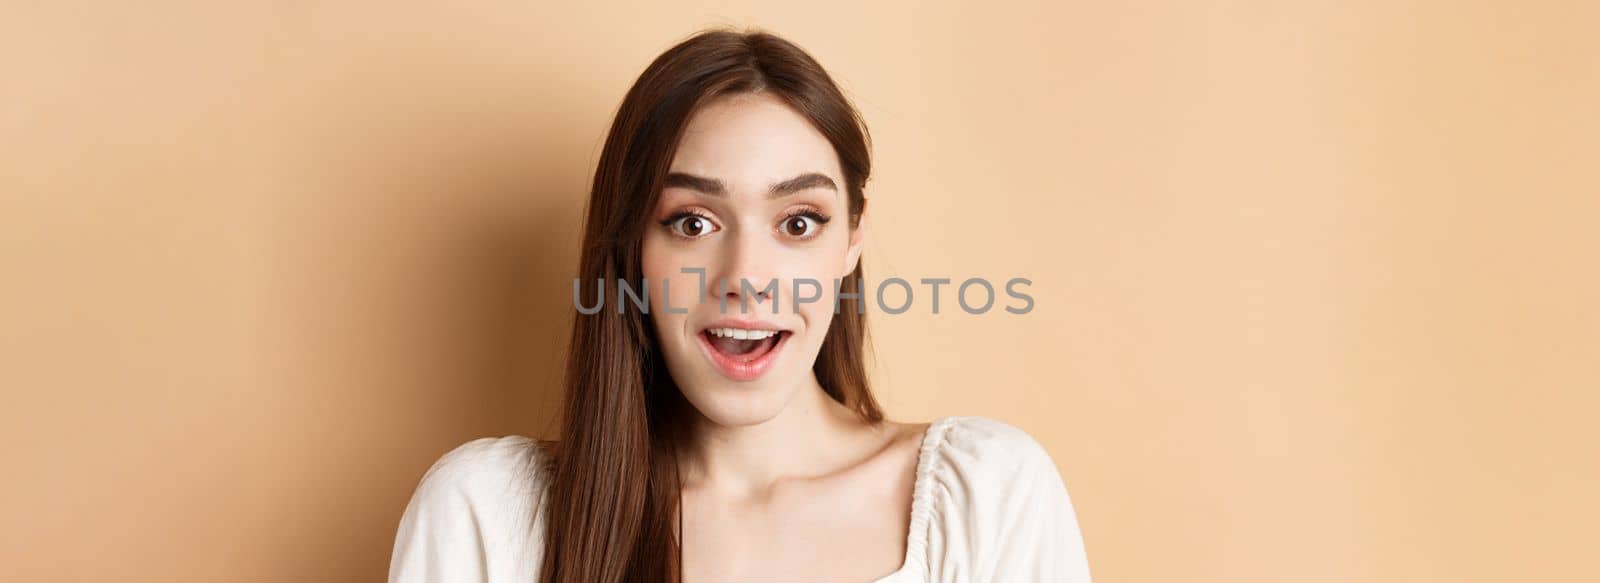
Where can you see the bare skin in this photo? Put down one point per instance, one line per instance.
(781, 483)
(833, 501)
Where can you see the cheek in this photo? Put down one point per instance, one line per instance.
(824, 265)
(654, 261)
(812, 274)
(826, 257)
(660, 258)
(661, 264)
(654, 265)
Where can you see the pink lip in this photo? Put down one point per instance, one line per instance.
(736, 369)
(739, 370)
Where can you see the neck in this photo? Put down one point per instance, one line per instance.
(812, 436)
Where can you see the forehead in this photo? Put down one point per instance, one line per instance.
(752, 140)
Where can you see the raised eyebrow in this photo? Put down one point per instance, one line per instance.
(715, 187)
(701, 184)
(802, 182)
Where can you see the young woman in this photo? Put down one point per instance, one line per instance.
(714, 436)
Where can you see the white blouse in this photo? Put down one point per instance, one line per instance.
(987, 505)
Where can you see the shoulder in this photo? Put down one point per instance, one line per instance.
(986, 447)
(503, 473)
(487, 470)
(985, 467)
(488, 461)
(476, 510)
(996, 506)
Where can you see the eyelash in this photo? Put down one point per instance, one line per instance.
(680, 215)
(806, 211)
(809, 212)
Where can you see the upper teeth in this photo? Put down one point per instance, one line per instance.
(742, 334)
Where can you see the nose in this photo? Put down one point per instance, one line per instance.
(747, 279)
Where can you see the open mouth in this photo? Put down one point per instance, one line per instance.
(742, 354)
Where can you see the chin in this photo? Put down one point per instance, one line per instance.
(739, 410)
(731, 403)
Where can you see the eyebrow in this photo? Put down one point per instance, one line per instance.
(714, 187)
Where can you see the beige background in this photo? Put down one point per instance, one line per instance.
(1318, 287)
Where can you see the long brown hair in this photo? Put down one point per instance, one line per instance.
(614, 494)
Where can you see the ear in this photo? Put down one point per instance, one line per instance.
(858, 237)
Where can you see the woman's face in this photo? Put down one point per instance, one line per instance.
(754, 194)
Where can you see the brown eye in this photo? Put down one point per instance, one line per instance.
(693, 226)
(802, 225)
(797, 227)
(689, 226)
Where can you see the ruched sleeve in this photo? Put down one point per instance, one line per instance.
(998, 508)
